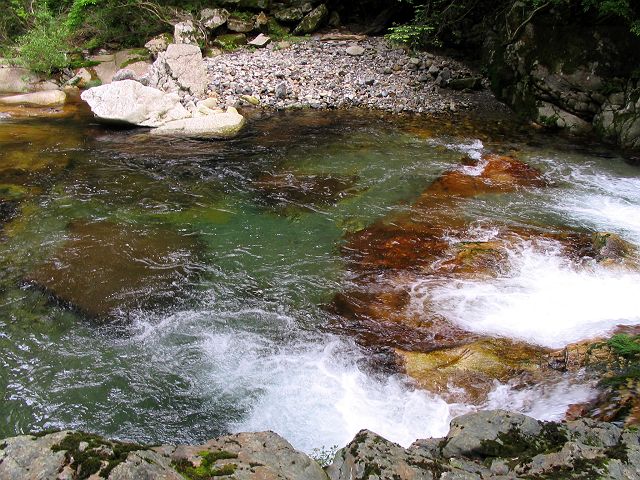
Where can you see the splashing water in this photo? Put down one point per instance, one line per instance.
(544, 299)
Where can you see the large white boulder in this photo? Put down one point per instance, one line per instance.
(131, 102)
(213, 125)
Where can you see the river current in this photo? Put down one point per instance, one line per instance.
(222, 323)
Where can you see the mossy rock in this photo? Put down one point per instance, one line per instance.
(473, 367)
(89, 454)
(230, 41)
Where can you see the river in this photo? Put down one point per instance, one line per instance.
(165, 290)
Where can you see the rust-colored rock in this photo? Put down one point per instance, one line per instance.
(491, 174)
(105, 268)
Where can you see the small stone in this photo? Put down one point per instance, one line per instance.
(209, 103)
(281, 90)
(260, 41)
(124, 74)
(261, 21)
(250, 99)
(355, 50)
(239, 25)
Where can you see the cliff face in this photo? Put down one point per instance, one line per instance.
(484, 445)
(567, 69)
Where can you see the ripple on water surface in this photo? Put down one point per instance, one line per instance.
(246, 350)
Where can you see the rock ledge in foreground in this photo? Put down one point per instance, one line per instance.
(484, 445)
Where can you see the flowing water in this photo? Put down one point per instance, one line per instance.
(222, 324)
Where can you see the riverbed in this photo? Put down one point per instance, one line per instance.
(165, 290)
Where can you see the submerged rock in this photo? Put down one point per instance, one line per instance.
(491, 174)
(128, 101)
(611, 248)
(304, 191)
(106, 268)
(468, 373)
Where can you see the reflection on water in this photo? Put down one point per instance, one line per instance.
(172, 290)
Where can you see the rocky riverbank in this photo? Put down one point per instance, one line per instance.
(343, 71)
(484, 445)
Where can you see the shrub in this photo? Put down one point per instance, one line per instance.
(44, 48)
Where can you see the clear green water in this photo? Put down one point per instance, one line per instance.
(240, 340)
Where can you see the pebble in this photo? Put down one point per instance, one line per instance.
(323, 74)
(355, 51)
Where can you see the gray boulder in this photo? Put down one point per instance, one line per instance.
(289, 15)
(239, 25)
(187, 33)
(132, 103)
(158, 44)
(312, 21)
(212, 18)
(484, 433)
(16, 79)
(124, 74)
(180, 70)
(371, 456)
(30, 458)
(553, 116)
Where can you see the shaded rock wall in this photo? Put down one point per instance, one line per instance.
(568, 69)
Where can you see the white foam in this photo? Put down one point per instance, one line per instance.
(472, 148)
(544, 299)
(313, 397)
(605, 213)
(544, 402)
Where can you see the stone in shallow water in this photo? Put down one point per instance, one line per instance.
(495, 174)
(131, 102)
(214, 125)
(47, 98)
(467, 373)
(304, 191)
(106, 268)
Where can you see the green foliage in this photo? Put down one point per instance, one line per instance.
(436, 19)
(412, 35)
(44, 48)
(97, 451)
(625, 346)
(77, 12)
